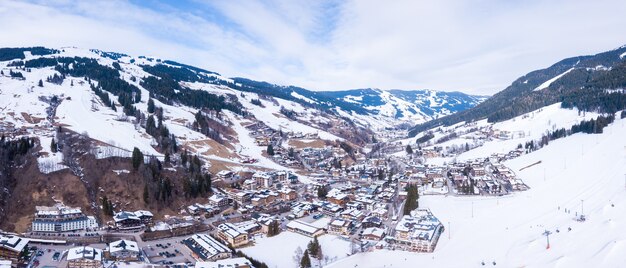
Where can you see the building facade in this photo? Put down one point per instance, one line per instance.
(60, 218)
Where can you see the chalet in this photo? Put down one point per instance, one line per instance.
(287, 194)
(380, 211)
(11, 247)
(478, 171)
(241, 197)
(225, 175)
(304, 228)
(374, 234)
(259, 200)
(372, 221)
(281, 176)
(249, 185)
(84, 257)
(127, 220)
(132, 220)
(218, 201)
(339, 227)
(232, 235)
(262, 180)
(124, 250)
(331, 210)
(338, 198)
(352, 214)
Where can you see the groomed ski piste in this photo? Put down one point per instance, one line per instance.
(580, 174)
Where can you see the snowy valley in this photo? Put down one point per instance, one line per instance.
(182, 166)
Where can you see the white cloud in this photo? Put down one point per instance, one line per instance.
(473, 46)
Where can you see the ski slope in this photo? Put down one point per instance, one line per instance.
(578, 172)
(546, 84)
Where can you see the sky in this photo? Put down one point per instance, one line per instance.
(477, 47)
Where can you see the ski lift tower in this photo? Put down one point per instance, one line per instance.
(547, 234)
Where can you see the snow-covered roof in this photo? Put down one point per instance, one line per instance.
(374, 231)
(13, 243)
(231, 230)
(227, 263)
(123, 245)
(303, 226)
(84, 253)
(205, 245)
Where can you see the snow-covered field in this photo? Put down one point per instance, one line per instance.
(278, 251)
(530, 126)
(580, 172)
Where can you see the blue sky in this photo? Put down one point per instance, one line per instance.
(478, 47)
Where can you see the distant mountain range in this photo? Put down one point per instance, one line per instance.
(407, 105)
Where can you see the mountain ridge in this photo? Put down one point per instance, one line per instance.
(583, 87)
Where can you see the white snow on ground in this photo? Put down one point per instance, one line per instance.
(270, 116)
(247, 146)
(530, 126)
(51, 162)
(622, 55)
(278, 251)
(78, 113)
(299, 96)
(546, 84)
(508, 230)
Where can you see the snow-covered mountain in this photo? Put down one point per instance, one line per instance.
(106, 96)
(414, 106)
(591, 83)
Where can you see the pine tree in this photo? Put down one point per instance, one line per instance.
(409, 150)
(146, 194)
(107, 206)
(411, 202)
(270, 150)
(273, 229)
(314, 248)
(40, 83)
(53, 146)
(305, 262)
(150, 125)
(183, 157)
(137, 158)
(150, 106)
(322, 192)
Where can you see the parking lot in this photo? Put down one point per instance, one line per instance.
(51, 256)
(170, 251)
